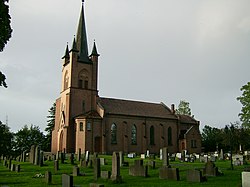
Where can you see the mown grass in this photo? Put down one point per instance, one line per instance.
(231, 178)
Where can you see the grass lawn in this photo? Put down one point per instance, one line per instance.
(231, 178)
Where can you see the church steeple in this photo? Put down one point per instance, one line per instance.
(81, 38)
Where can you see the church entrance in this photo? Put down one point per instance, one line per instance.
(98, 144)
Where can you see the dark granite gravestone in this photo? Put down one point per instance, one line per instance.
(138, 169)
(67, 180)
(48, 177)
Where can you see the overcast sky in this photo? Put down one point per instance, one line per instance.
(155, 51)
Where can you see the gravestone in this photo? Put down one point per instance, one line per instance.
(72, 157)
(67, 180)
(13, 167)
(24, 156)
(143, 156)
(105, 174)
(151, 163)
(165, 158)
(37, 155)
(41, 159)
(210, 169)
(9, 163)
(138, 169)
(62, 158)
(48, 177)
(96, 185)
(56, 165)
(169, 173)
(147, 154)
(160, 154)
(131, 155)
(79, 154)
(97, 168)
(121, 156)
(204, 158)
(102, 161)
(238, 160)
(32, 154)
(195, 176)
(116, 167)
(17, 169)
(4, 162)
(76, 171)
(245, 176)
(87, 156)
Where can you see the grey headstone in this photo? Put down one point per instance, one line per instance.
(138, 169)
(56, 165)
(169, 173)
(17, 168)
(48, 177)
(97, 168)
(245, 179)
(105, 174)
(76, 171)
(37, 155)
(165, 158)
(194, 176)
(67, 180)
(115, 176)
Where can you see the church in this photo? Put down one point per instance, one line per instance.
(88, 122)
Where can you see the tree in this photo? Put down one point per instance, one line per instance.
(5, 32)
(5, 140)
(211, 138)
(245, 101)
(183, 108)
(26, 137)
(50, 125)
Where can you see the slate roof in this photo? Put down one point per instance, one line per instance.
(187, 119)
(135, 108)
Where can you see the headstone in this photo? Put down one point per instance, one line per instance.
(9, 163)
(169, 173)
(245, 176)
(210, 169)
(32, 154)
(151, 163)
(178, 155)
(204, 158)
(147, 154)
(17, 168)
(143, 156)
(37, 155)
(131, 155)
(58, 155)
(79, 154)
(56, 165)
(62, 158)
(72, 158)
(97, 168)
(121, 156)
(138, 169)
(67, 180)
(48, 177)
(165, 159)
(102, 161)
(195, 176)
(96, 185)
(160, 154)
(238, 160)
(90, 163)
(87, 156)
(105, 174)
(76, 171)
(116, 168)
(24, 156)
(13, 167)
(4, 162)
(41, 159)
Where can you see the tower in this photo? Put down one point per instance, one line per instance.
(78, 91)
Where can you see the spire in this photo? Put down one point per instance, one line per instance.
(81, 38)
(66, 55)
(94, 51)
(74, 47)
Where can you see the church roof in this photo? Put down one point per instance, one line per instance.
(135, 108)
(187, 119)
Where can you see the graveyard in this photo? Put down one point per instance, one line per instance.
(44, 169)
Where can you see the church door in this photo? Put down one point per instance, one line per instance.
(98, 144)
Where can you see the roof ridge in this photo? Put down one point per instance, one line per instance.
(131, 100)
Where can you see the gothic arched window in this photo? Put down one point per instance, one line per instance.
(133, 135)
(113, 134)
(152, 135)
(170, 136)
(66, 80)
